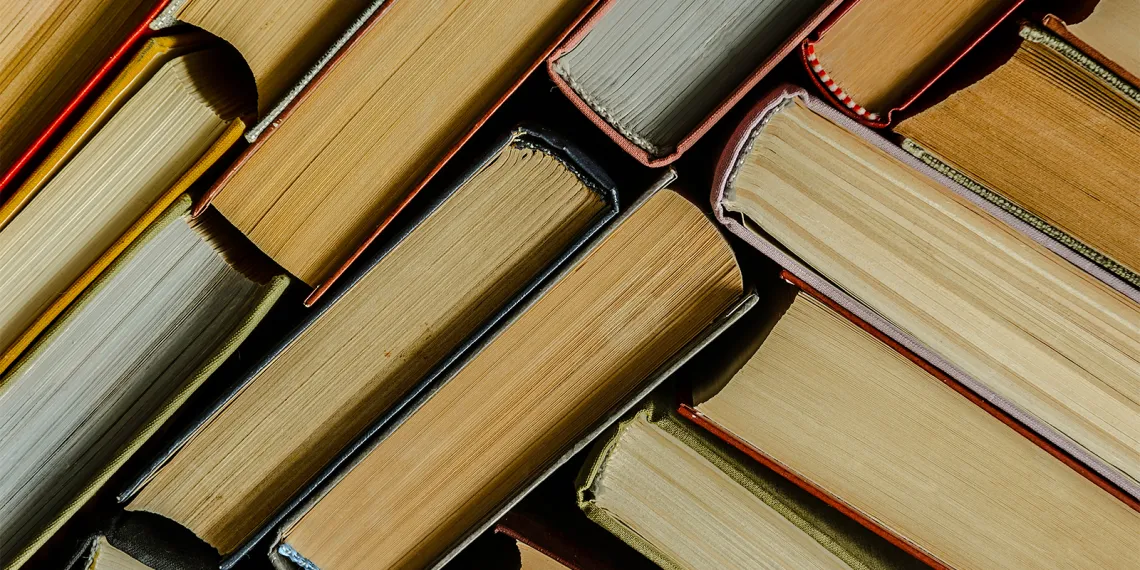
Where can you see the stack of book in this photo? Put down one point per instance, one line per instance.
(298, 278)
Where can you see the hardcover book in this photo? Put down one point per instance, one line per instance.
(1039, 332)
(167, 117)
(364, 136)
(874, 58)
(1062, 160)
(109, 372)
(655, 286)
(656, 75)
(689, 501)
(876, 431)
(488, 240)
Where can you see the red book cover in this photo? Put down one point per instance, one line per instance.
(643, 156)
(689, 411)
(881, 118)
(78, 103)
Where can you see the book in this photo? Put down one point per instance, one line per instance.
(548, 531)
(873, 428)
(874, 58)
(1060, 160)
(106, 375)
(48, 50)
(280, 44)
(687, 500)
(104, 556)
(413, 84)
(656, 75)
(165, 119)
(659, 281)
(492, 236)
(1107, 34)
(998, 306)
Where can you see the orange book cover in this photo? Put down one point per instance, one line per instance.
(834, 92)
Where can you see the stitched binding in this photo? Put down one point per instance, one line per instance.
(834, 88)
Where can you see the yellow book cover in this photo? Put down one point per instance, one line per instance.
(151, 57)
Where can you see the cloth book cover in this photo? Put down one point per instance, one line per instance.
(787, 46)
(844, 539)
(1055, 36)
(282, 112)
(146, 62)
(688, 411)
(1107, 477)
(834, 93)
(267, 296)
(535, 136)
(284, 557)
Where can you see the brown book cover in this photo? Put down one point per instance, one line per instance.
(689, 411)
(308, 89)
(835, 94)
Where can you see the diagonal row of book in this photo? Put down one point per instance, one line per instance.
(907, 349)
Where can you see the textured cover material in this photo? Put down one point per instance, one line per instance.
(151, 540)
(1058, 27)
(883, 119)
(738, 147)
(270, 291)
(311, 81)
(687, 410)
(843, 538)
(549, 521)
(721, 109)
(80, 100)
(1094, 64)
(284, 557)
(153, 54)
(529, 136)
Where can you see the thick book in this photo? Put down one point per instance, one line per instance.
(283, 51)
(369, 132)
(654, 287)
(108, 373)
(491, 236)
(56, 56)
(690, 501)
(167, 118)
(1036, 330)
(1051, 136)
(549, 531)
(656, 75)
(860, 421)
(875, 58)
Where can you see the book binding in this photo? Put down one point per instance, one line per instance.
(530, 136)
(732, 157)
(642, 155)
(836, 96)
(313, 79)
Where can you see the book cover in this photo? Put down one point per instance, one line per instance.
(528, 136)
(730, 160)
(81, 99)
(787, 46)
(282, 555)
(267, 295)
(835, 94)
(138, 70)
(266, 128)
(688, 410)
